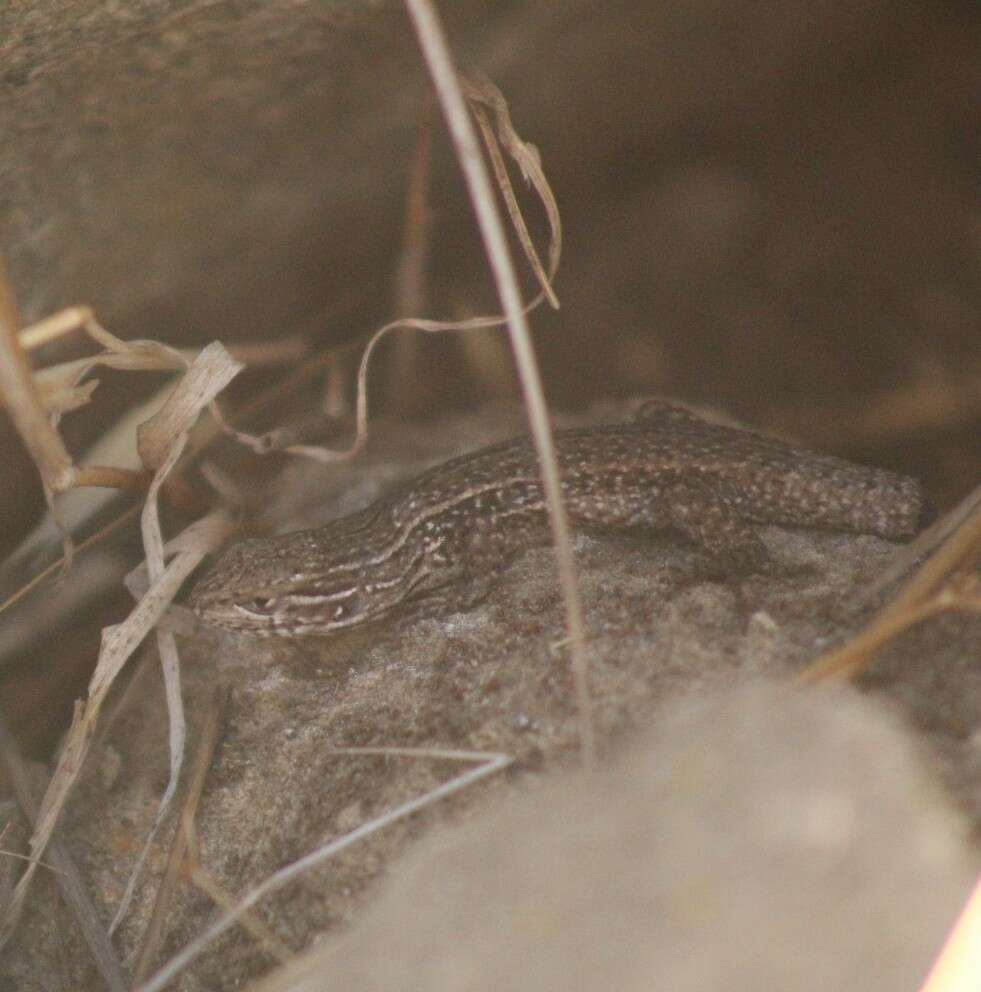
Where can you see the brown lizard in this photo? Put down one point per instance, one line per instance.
(440, 541)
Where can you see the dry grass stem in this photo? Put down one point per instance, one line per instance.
(488, 764)
(941, 583)
(443, 73)
(58, 566)
(37, 401)
(210, 736)
(20, 396)
(54, 327)
(5, 807)
(110, 477)
(162, 443)
(525, 158)
(225, 901)
(118, 644)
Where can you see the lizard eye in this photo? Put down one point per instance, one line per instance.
(261, 604)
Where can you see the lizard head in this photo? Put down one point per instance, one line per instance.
(268, 588)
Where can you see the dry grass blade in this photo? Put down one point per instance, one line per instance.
(118, 643)
(61, 385)
(436, 53)
(210, 372)
(37, 401)
(161, 441)
(482, 92)
(61, 388)
(116, 446)
(322, 454)
(68, 876)
(489, 765)
(941, 583)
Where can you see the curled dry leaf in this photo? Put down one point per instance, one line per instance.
(208, 375)
(528, 159)
(481, 92)
(60, 386)
(59, 395)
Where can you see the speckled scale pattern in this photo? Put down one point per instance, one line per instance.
(439, 540)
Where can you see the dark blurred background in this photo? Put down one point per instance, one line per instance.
(770, 208)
